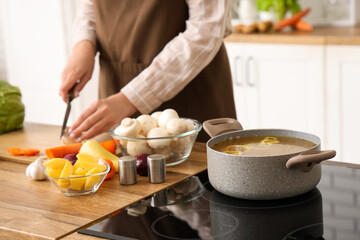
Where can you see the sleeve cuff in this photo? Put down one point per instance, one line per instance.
(141, 97)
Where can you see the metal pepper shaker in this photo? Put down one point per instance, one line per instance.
(156, 168)
(127, 170)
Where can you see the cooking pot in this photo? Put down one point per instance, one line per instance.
(262, 177)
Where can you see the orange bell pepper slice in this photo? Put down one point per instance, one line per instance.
(112, 168)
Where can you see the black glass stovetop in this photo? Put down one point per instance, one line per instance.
(194, 210)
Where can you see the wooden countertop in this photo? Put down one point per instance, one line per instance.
(37, 210)
(319, 36)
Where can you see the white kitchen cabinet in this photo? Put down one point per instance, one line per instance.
(279, 86)
(343, 101)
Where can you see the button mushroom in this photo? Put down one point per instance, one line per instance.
(147, 122)
(156, 114)
(166, 116)
(180, 145)
(190, 125)
(128, 128)
(135, 148)
(176, 126)
(156, 133)
(164, 151)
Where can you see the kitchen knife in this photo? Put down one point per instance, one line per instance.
(70, 97)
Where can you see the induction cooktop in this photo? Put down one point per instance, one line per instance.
(193, 209)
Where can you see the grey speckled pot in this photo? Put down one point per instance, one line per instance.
(261, 177)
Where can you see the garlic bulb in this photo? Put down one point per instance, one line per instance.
(35, 170)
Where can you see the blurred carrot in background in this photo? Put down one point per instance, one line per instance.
(303, 26)
(291, 21)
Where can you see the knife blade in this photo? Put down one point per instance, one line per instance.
(70, 97)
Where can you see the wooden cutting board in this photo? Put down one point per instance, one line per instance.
(33, 135)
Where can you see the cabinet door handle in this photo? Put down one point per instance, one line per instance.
(249, 74)
(237, 62)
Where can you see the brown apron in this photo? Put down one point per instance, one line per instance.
(130, 33)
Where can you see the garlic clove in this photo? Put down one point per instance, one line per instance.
(35, 170)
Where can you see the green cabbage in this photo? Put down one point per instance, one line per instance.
(280, 7)
(12, 110)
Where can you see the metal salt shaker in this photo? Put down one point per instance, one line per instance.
(127, 170)
(156, 168)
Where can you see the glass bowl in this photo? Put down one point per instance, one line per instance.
(80, 185)
(176, 152)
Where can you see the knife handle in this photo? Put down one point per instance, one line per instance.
(70, 95)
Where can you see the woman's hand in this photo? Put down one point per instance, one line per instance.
(101, 116)
(79, 68)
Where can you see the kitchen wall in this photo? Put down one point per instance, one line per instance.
(36, 44)
(2, 50)
(332, 12)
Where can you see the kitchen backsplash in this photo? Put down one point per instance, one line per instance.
(2, 51)
(333, 12)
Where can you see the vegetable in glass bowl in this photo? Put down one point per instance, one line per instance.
(159, 133)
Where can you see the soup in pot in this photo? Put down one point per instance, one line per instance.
(263, 146)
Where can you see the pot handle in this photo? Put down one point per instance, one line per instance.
(218, 126)
(306, 160)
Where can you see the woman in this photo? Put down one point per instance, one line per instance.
(154, 54)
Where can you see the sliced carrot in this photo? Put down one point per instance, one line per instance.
(303, 26)
(15, 151)
(23, 152)
(61, 151)
(31, 152)
(291, 21)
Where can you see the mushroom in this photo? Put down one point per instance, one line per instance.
(166, 116)
(158, 143)
(190, 125)
(138, 147)
(176, 126)
(180, 145)
(147, 122)
(129, 127)
(164, 151)
(156, 115)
